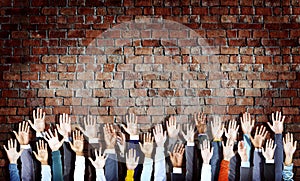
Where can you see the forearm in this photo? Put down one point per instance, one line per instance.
(111, 165)
(67, 161)
(247, 143)
(129, 175)
(100, 175)
(224, 169)
(160, 165)
(269, 171)
(215, 160)
(79, 168)
(257, 164)
(206, 172)
(46, 173)
(147, 169)
(278, 157)
(27, 164)
(287, 173)
(14, 172)
(189, 155)
(57, 166)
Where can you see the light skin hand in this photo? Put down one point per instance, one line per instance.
(217, 128)
(121, 140)
(77, 145)
(38, 120)
(160, 136)
(242, 151)
(176, 156)
(64, 126)
(232, 130)
(289, 146)
(246, 123)
(147, 147)
(278, 121)
(228, 150)
(90, 130)
(172, 127)
(132, 126)
(268, 153)
(206, 151)
(200, 122)
(100, 160)
(131, 159)
(259, 137)
(11, 152)
(189, 136)
(23, 133)
(42, 154)
(53, 141)
(110, 136)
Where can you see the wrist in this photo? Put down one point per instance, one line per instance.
(44, 162)
(288, 160)
(226, 158)
(148, 155)
(79, 153)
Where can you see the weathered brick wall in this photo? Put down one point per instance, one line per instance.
(223, 56)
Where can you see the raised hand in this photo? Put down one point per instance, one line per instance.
(132, 126)
(232, 130)
(110, 136)
(147, 146)
(131, 159)
(53, 141)
(64, 126)
(278, 121)
(172, 128)
(189, 136)
(242, 150)
(42, 154)
(176, 156)
(23, 133)
(200, 122)
(206, 151)
(77, 145)
(217, 128)
(246, 123)
(11, 152)
(90, 130)
(160, 135)
(228, 150)
(289, 146)
(268, 153)
(100, 160)
(38, 121)
(259, 137)
(121, 140)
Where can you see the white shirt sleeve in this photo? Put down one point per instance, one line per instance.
(206, 172)
(100, 175)
(147, 169)
(160, 165)
(46, 173)
(79, 168)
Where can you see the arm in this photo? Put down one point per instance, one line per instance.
(189, 154)
(289, 149)
(268, 153)
(99, 164)
(247, 124)
(46, 173)
(245, 171)
(269, 171)
(42, 156)
(160, 163)
(147, 148)
(287, 173)
(131, 164)
(227, 155)
(13, 172)
(77, 147)
(176, 158)
(129, 175)
(206, 154)
(224, 170)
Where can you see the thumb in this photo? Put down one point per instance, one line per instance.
(31, 124)
(36, 156)
(20, 152)
(16, 134)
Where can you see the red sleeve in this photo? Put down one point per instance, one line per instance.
(224, 170)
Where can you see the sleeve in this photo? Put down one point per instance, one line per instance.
(147, 169)
(46, 173)
(27, 172)
(247, 142)
(160, 165)
(79, 168)
(245, 174)
(278, 157)
(68, 166)
(177, 175)
(129, 175)
(134, 143)
(215, 160)
(100, 175)
(189, 155)
(206, 172)
(57, 166)
(257, 164)
(14, 172)
(287, 173)
(233, 172)
(269, 171)
(224, 169)
(111, 166)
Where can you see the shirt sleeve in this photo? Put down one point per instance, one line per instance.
(79, 168)
(46, 173)
(68, 166)
(257, 164)
(233, 171)
(100, 175)
(147, 169)
(224, 169)
(27, 164)
(247, 142)
(111, 166)
(189, 155)
(287, 173)
(129, 175)
(278, 157)
(269, 171)
(57, 166)
(206, 172)
(215, 160)
(160, 165)
(14, 172)
(245, 173)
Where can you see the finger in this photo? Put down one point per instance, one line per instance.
(41, 113)
(273, 119)
(34, 116)
(283, 118)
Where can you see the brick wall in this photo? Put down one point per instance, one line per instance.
(153, 58)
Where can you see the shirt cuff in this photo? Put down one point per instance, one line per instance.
(67, 139)
(257, 149)
(25, 146)
(39, 134)
(270, 161)
(80, 160)
(148, 161)
(190, 144)
(177, 170)
(93, 140)
(110, 151)
(245, 164)
(134, 137)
